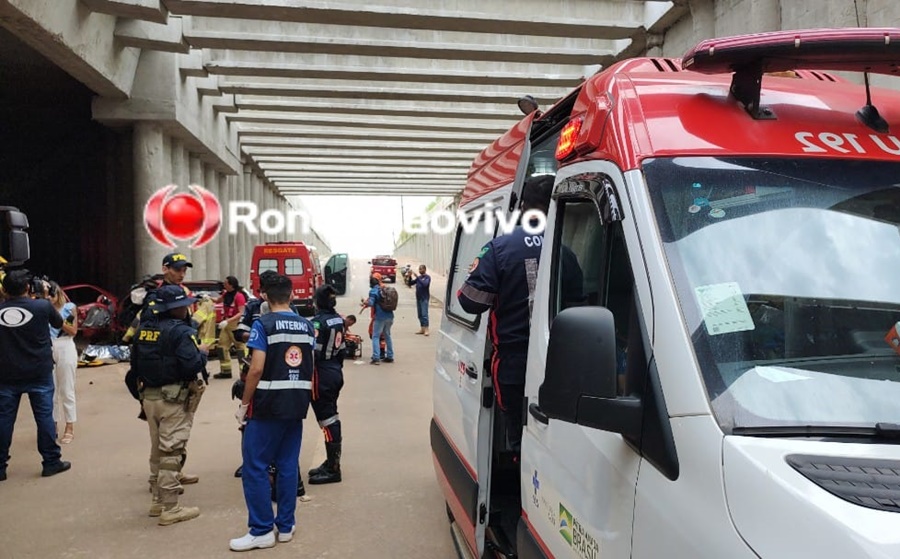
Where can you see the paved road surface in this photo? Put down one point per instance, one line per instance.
(388, 506)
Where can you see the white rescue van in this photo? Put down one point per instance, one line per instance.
(726, 386)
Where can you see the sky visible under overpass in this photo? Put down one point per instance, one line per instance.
(394, 97)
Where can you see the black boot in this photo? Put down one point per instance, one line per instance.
(301, 490)
(319, 470)
(332, 468)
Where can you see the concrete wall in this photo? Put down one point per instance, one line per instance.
(432, 249)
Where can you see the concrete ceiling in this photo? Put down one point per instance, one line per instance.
(391, 97)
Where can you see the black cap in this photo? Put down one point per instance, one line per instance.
(176, 260)
(170, 297)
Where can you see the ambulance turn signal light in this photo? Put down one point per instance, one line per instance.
(567, 138)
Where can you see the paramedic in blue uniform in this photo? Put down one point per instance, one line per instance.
(252, 311)
(328, 379)
(275, 401)
(502, 279)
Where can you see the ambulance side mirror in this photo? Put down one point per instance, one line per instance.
(581, 361)
(580, 376)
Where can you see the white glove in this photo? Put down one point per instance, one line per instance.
(223, 324)
(241, 414)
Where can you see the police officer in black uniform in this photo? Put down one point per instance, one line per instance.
(328, 379)
(502, 278)
(275, 402)
(167, 360)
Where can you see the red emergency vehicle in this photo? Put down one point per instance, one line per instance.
(292, 259)
(708, 359)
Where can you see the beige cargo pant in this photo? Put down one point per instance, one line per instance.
(170, 428)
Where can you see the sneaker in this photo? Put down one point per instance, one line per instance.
(178, 514)
(57, 468)
(388, 359)
(374, 362)
(188, 479)
(248, 542)
(285, 538)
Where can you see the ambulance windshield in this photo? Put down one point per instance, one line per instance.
(788, 276)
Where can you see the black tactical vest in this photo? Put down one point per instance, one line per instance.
(284, 390)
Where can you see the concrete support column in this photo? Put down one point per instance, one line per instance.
(181, 176)
(267, 204)
(224, 240)
(195, 170)
(211, 250)
(151, 153)
(245, 246)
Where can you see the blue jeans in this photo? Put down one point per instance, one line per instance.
(382, 325)
(271, 441)
(40, 395)
(422, 310)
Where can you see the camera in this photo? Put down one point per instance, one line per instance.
(39, 286)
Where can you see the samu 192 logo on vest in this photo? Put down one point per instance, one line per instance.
(293, 356)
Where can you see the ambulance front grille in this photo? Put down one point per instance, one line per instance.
(870, 483)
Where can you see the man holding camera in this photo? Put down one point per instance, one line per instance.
(28, 367)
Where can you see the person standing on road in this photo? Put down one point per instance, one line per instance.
(502, 279)
(65, 359)
(423, 297)
(233, 302)
(275, 401)
(167, 360)
(382, 322)
(328, 379)
(252, 311)
(28, 369)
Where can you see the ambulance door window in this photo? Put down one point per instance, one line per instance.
(267, 264)
(543, 155)
(591, 267)
(293, 267)
(465, 258)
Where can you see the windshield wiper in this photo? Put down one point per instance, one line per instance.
(877, 431)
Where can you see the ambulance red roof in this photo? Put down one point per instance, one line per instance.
(658, 111)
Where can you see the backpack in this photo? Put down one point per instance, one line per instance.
(387, 299)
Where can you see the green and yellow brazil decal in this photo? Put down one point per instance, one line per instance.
(565, 524)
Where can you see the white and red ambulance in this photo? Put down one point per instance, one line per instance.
(723, 386)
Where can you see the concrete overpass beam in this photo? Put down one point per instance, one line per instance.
(299, 144)
(221, 33)
(252, 120)
(191, 64)
(165, 37)
(147, 10)
(383, 69)
(578, 18)
(77, 40)
(379, 107)
(349, 157)
(224, 104)
(207, 87)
